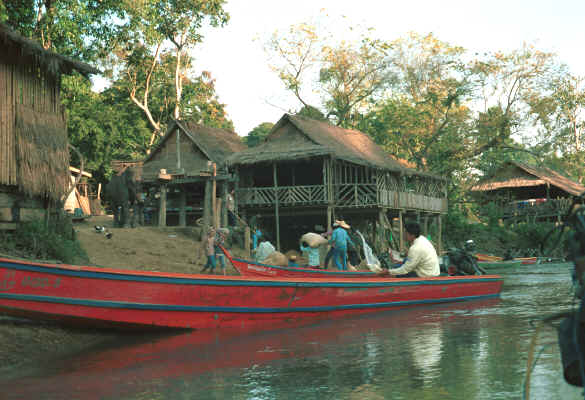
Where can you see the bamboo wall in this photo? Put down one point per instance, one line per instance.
(21, 84)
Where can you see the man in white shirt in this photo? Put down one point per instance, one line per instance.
(422, 260)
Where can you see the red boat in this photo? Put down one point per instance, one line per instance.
(95, 296)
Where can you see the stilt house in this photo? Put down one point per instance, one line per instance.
(526, 193)
(308, 173)
(34, 154)
(188, 174)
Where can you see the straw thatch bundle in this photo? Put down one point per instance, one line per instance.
(42, 153)
(53, 63)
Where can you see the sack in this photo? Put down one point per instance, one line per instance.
(276, 258)
(314, 240)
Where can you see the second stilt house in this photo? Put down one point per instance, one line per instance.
(186, 174)
(308, 173)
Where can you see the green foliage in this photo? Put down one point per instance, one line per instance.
(82, 29)
(257, 135)
(39, 240)
(311, 112)
(103, 127)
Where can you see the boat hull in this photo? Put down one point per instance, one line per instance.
(251, 268)
(499, 264)
(107, 297)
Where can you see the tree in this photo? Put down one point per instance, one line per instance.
(81, 29)
(163, 32)
(257, 135)
(344, 75)
(293, 55)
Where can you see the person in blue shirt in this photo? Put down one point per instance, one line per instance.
(312, 253)
(256, 235)
(340, 239)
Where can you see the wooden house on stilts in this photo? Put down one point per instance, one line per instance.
(187, 171)
(34, 153)
(308, 173)
(522, 192)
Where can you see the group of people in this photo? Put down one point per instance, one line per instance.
(421, 260)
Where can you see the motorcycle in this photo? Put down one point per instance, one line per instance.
(461, 261)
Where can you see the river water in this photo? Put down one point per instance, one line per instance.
(468, 350)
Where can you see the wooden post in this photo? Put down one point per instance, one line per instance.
(213, 197)
(401, 222)
(178, 143)
(439, 234)
(162, 209)
(276, 217)
(99, 193)
(217, 213)
(247, 241)
(183, 208)
(224, 194)
(206, 207)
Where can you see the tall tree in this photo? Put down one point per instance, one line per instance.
(163, 31)
(344, 75)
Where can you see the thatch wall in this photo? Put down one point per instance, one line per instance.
(34, 154)
(42, 153)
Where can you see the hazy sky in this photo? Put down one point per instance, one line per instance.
(253, 94)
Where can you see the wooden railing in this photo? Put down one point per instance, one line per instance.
(538, 208)
(346, 195)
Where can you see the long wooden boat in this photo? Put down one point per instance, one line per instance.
(107, 297)
(528, 260)
(487, 257)
(499, 264)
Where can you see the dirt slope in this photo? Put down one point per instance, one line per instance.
(171, 249)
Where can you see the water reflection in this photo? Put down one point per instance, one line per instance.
(471, 350)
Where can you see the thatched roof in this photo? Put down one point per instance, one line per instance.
(217, 144)
(54, 63)
(321, 139)
(513, 174)
(42, 153)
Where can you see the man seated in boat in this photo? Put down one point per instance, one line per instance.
(422, 260)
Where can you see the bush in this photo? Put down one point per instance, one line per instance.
(36, 239)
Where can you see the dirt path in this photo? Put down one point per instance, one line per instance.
(147, 248)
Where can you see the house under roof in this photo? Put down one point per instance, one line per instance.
(318, 138)
(181, 166)
(307, 173)
(187, 147)
(515, 175)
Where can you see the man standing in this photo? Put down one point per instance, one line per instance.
(231, 208)
(422, 260)
(340, 239)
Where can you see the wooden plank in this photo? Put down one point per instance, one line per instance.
(276, 207)
(8, 226)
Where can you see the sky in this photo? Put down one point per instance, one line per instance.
(253, 93)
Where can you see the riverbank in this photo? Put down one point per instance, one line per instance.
(29, 343)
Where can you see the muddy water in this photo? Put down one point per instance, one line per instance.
(470, 350)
